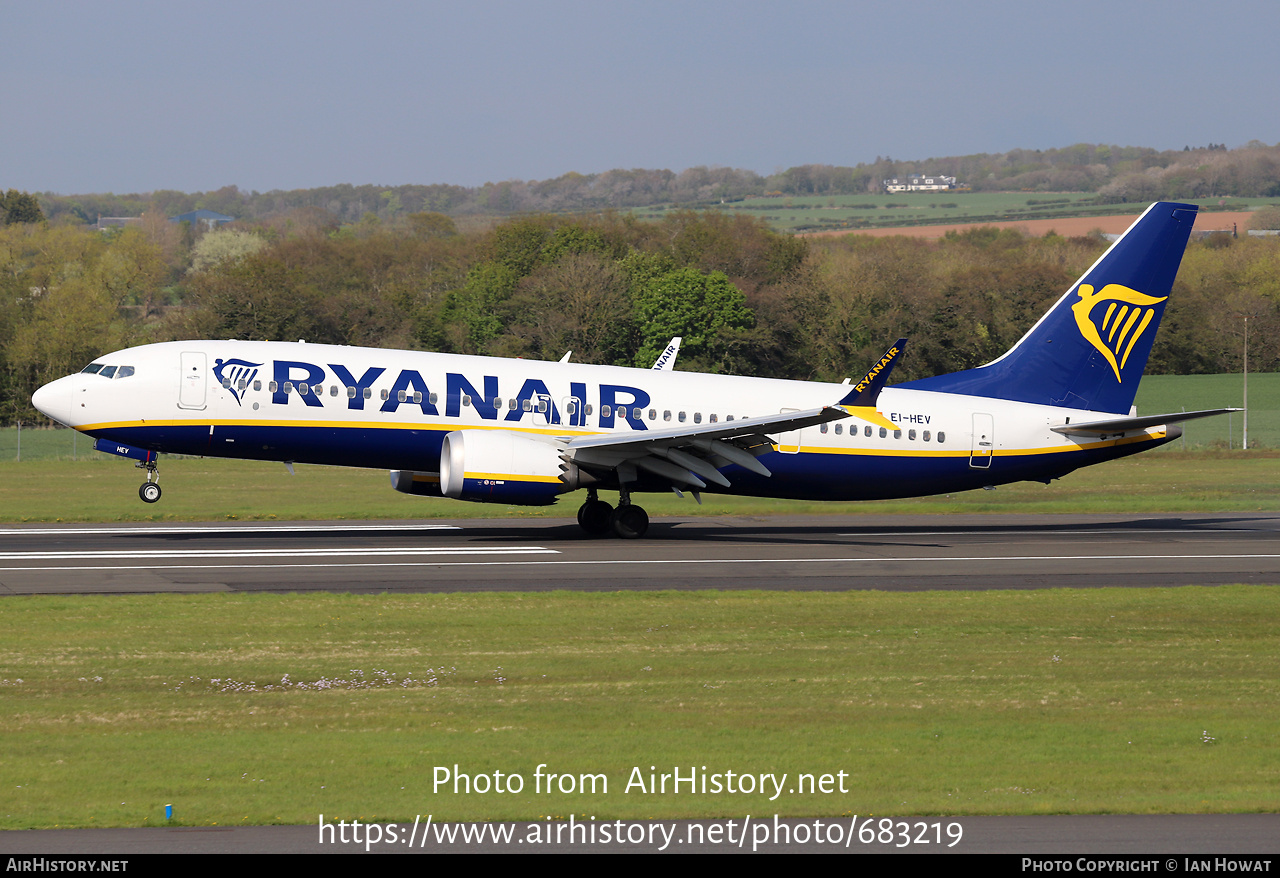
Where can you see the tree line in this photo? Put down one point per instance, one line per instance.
(608, 287)
(1117, 174)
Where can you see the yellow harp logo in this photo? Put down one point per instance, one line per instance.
(1126, 317)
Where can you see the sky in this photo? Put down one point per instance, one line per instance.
(133, 96)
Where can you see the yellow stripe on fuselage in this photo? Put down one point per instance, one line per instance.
(513, 477)
(448, 427)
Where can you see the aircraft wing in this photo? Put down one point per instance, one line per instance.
(690, 456)
(1121, 425)
(687, 455)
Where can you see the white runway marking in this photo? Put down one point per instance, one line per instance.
(1118, 531)
(147, 554)
(644, 562)
(143, 530)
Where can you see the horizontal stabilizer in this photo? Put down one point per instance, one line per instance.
(1121, 425)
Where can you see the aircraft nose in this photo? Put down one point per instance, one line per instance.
(53, 400)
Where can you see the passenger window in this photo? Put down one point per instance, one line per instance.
(240, 385)
(728, 417)
(333, 390)
(590, 409)
(351, 392)
(273, 387)
(257, 385)
(386, 393)
(528, 405)
(653, 414)
(514, 404)
(883, 432)
(866, 431)
(288, 387)
(926, 435)
(666, 416)
(542, 406)
(839, 429)
(466, 400)
(434, 398)
(897, 434)
(680, 417)
(368, 393)
(636, 414)
(226, 382)
(713, 419)
(417, 397)
(822, 428)
(606, 411)
(911, 434)
(942, 437)
(570, 407)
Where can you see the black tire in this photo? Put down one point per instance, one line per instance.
(595, 517)
(149, 492)
(630, 522)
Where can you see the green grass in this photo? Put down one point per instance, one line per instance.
(1098, 701)
(1124, 700)
(1172, 393)
(817, 213)
(216, 490)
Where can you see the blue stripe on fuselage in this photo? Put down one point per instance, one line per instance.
(811, 475)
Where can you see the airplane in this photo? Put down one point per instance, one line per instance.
(523, 432)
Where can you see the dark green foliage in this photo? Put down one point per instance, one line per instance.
(19, 207)
(609, 288)
(708, 311)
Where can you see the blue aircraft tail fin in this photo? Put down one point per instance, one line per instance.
(1090, 349)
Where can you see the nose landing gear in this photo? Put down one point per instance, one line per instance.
(150, 489)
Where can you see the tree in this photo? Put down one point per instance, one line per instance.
(19, 207)
(224, 245)
(706, 309)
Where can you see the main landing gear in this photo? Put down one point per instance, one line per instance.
(597, 517)
(150, 490)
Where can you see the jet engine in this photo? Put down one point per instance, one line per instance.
(499, 466)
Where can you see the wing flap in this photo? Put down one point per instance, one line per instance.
(690, 456)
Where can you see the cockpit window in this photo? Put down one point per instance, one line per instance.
(125, 372)
(92, 368)
(107, 371)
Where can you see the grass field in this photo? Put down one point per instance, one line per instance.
(818, 213)
(273, 709)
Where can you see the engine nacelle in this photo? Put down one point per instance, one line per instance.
(499, 466)
(406, 481)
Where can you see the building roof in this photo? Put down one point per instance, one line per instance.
(203, 215)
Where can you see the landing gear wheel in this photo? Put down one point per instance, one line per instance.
(630, 522)
(594, 517)
(149, 492)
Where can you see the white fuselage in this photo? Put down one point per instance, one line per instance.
(392, 409)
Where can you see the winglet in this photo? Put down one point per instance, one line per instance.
(861, 400)
(666, 361)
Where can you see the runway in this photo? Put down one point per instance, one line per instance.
(778, 553)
